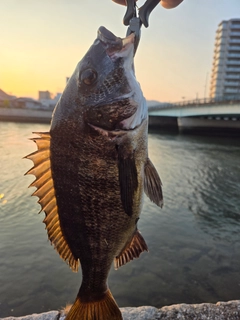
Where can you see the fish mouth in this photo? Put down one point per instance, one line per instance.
(112, 134)
(115, 45)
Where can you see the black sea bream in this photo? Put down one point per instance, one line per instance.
(92, 169)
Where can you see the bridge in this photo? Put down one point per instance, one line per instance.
(199, 115)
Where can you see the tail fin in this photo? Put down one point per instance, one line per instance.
(105, 309)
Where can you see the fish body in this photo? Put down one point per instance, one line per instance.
(92, 169)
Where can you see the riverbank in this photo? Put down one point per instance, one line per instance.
(25, 115)
(206, 311)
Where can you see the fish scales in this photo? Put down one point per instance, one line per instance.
(83, 184)
(96, 160)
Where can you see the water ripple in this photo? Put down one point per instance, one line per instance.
(194, 240)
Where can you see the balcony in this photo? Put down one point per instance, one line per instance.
(232, 76)
(234, 55)
(215, 77)
(235, 33)
(230, 69)
(232, 90)
(235, 26)
(234, 48)
(221, 55)
(233, 63)
(217, 64)
(234, 41)
(232, 83)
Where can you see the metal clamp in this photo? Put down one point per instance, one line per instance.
(135, 22)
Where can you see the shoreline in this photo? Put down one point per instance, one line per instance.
(25, 115)
(205, 311)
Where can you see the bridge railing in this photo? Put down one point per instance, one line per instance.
(196, 103)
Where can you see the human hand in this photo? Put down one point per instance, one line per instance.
(167, 4)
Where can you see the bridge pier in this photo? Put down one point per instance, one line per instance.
(209, 125)
(196, 125)
(163, 123)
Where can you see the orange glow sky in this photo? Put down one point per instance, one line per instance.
(42, 41)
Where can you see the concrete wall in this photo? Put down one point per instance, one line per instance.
(206, 311)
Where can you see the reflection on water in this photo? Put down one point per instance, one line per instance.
(194, 240)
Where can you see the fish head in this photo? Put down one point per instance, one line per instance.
(103, 91)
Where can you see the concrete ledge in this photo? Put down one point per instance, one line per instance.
(206, 311)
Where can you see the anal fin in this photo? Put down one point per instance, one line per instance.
(132, 250)
(152, 184)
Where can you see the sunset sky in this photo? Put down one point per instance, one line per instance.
(42, 41)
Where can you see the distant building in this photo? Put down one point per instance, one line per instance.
(46, 99)
(225, 79)
(5, 97)
(50, 103)
(44, 95)
(57, 97)
(26, 103)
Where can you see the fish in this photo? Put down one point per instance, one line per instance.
(92, 169)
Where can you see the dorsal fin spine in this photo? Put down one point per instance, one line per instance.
(47, 199)
(51, 223)
(44, 189)
(41, 180)
(46, 204)
(48, 219)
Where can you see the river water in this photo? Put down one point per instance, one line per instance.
(194, 241)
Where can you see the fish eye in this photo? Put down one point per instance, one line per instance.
(88, 76)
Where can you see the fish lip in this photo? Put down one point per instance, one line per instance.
(109, 39)
(108, 133)
(129, 95)
(114, 44)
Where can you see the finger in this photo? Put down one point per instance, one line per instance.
(169, 4)
(123, 2)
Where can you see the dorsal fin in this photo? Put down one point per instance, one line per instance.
(132, 250)
(46, 193)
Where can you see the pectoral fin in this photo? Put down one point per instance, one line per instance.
(152, 184)
(46, 193)
(128, 180)
(132, 250)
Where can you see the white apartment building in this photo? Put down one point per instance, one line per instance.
(225, 79)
